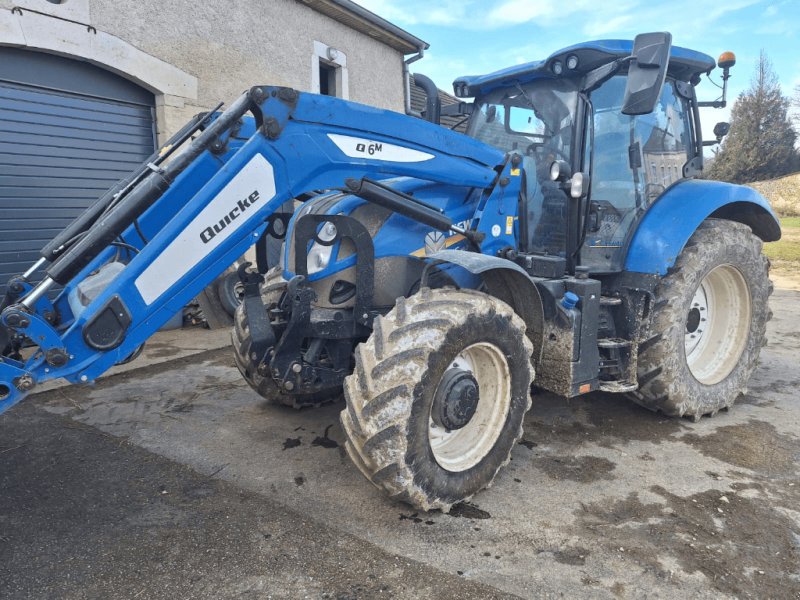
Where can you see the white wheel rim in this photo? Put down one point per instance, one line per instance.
(462, 449)
(717, 324)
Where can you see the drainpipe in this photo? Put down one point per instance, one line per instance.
(407, 77)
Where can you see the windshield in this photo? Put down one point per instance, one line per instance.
(528, 119)
(537, 121)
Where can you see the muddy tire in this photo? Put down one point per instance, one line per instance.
(271, 293)
(402, 433)
(708, 324)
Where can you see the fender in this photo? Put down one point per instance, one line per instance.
(677, 213)
(506, 281)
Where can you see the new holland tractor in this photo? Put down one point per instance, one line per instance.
(429, 276)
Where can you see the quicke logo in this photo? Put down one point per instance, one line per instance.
(211, 231)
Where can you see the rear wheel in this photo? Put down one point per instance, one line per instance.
(438, 396)
(271, 293)
(708, 325)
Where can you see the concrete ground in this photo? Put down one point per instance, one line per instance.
(175, 480)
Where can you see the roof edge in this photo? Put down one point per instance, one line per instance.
(395, 36)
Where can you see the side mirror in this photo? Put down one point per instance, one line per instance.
(646, 73)
(721, 129)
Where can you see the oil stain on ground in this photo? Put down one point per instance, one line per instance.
(324, 441)
(291, 443)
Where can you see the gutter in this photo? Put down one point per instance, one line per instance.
(371, 17)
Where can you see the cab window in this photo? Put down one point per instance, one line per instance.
(635, 158)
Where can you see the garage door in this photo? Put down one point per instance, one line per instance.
(68, 132)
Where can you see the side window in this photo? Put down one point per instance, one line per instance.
(634, 160)
(664, 139)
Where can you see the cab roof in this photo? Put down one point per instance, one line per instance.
(683, 65)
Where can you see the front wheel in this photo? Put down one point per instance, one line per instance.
(709, 323)
(438, 396)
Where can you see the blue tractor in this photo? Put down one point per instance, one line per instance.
(431, 277)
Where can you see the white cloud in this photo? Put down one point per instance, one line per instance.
(621, 18)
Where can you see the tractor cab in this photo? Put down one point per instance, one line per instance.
(603, 129)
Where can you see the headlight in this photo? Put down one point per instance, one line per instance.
(319, 256)
(557, 67)
(572, 62)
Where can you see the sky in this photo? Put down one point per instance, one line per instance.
(471, 37)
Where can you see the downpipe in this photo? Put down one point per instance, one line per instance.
(407, 79)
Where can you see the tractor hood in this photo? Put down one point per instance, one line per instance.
(392, 234)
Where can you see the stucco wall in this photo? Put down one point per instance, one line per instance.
(227, 45)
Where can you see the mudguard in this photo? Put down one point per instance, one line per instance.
(507, 281)
(674, 217)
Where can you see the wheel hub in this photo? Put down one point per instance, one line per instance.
(469, 407)
(693, 320)
(456, 399)
(717, 324)
(696, 319)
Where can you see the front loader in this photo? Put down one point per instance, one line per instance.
(428, 276)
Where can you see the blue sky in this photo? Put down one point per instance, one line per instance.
(469, 37)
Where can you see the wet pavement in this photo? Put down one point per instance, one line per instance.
(602, 498)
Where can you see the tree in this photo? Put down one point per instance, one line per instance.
(760, 144)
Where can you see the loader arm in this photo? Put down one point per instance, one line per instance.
(185, 222)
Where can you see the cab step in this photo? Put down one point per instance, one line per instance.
(618, 387)
(613, 343)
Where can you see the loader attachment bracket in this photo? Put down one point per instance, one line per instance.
(346, 227)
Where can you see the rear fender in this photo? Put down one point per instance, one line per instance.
(506, 281)
(678, 212)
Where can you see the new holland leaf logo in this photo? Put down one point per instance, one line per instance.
(211, 231)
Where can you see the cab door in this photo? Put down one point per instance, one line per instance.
(634, 159)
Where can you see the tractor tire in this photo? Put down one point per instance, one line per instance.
(271, 293)
(708, 324)
(230, 290)
(425, 342)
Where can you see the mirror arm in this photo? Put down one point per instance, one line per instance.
(457, 109)
(723, 102)
(603, 73)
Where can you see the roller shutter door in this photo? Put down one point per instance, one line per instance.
(60, 149)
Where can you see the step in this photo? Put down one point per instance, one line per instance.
(613, 343)
(618, 387)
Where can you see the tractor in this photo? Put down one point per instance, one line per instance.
(431, 277)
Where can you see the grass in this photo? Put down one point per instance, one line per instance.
(785, 254)
(788, 247)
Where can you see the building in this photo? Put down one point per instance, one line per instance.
(88, 88)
